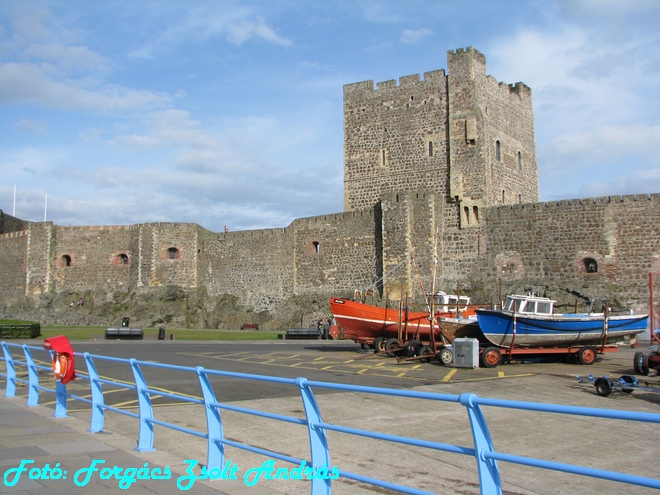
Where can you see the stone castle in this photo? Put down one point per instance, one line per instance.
(436, 168)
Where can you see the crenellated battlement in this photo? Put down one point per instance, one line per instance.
(12, 235)
(404, 82)
(584, 203)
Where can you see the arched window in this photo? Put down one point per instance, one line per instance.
(475, 212)
(122, 259)
(519, 198)
(66, 260)
(173, 253)
(498, 150)
(590, 265)
(317, 246)
(519, 160)
(503, 197)
(430, 148)
(467, 215)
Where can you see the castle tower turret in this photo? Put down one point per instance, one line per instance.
(492, 158)
(463, 135)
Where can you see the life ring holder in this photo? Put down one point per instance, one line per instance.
(63, 363)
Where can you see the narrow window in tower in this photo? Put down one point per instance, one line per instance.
(173, 253)
(519, 198)
(317, 246)
(430, 148)
(467, 215)
(66, 260)
(590, 265)
(383, 158)
(475, 212)
(498, 150)
(519, 160)
(503, 197)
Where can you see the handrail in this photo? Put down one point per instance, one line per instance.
(482, 451)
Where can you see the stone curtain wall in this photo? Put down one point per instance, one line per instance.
(529, 247)
(9, 223)
(544, 246)
(336, 254)
(13, 262)
(85, 258)
(256, 266)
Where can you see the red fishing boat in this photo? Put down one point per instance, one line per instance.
(387, 328)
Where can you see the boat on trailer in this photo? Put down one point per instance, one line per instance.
(376, 326)
(530, 321)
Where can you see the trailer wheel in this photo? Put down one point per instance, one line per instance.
(640, 363)
(379, 344)
(628, 380)
(446, 356)
(428, 353)
(414, 348)
(587, 355)
(392, 346)
(603, 387)
(491, 357)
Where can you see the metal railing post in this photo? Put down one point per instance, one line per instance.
(10, 390)
(318, 441)
(60, 400)
(98, 411)
(489, 473)
(146, 433)
(33, 378)
(215, 450)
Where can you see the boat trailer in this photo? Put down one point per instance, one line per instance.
(626, 383)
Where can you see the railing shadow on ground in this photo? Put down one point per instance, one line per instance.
(317, 468)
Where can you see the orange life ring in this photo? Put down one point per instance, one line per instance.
(61, 367)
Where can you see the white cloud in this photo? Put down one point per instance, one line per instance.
(30, 83)
(32, 126)
(415, 36)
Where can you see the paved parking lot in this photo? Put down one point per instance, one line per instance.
(603, 444)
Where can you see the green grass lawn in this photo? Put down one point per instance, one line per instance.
(86, 333)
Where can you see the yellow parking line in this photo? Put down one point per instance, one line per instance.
(448, 376)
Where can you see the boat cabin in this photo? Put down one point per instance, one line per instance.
(531, 305)
(449, 302)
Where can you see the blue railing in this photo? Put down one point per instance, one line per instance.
(483, 452)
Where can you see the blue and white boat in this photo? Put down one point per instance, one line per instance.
(530, 321)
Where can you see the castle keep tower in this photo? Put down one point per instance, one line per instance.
(462, 135)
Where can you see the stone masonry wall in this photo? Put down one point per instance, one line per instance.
(13, 263)
(395, 138)
(541, 246)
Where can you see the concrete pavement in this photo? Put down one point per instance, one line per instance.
(31, 433)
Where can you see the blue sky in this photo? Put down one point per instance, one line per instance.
(230, 113)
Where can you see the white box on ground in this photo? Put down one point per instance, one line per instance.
(466, 353)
